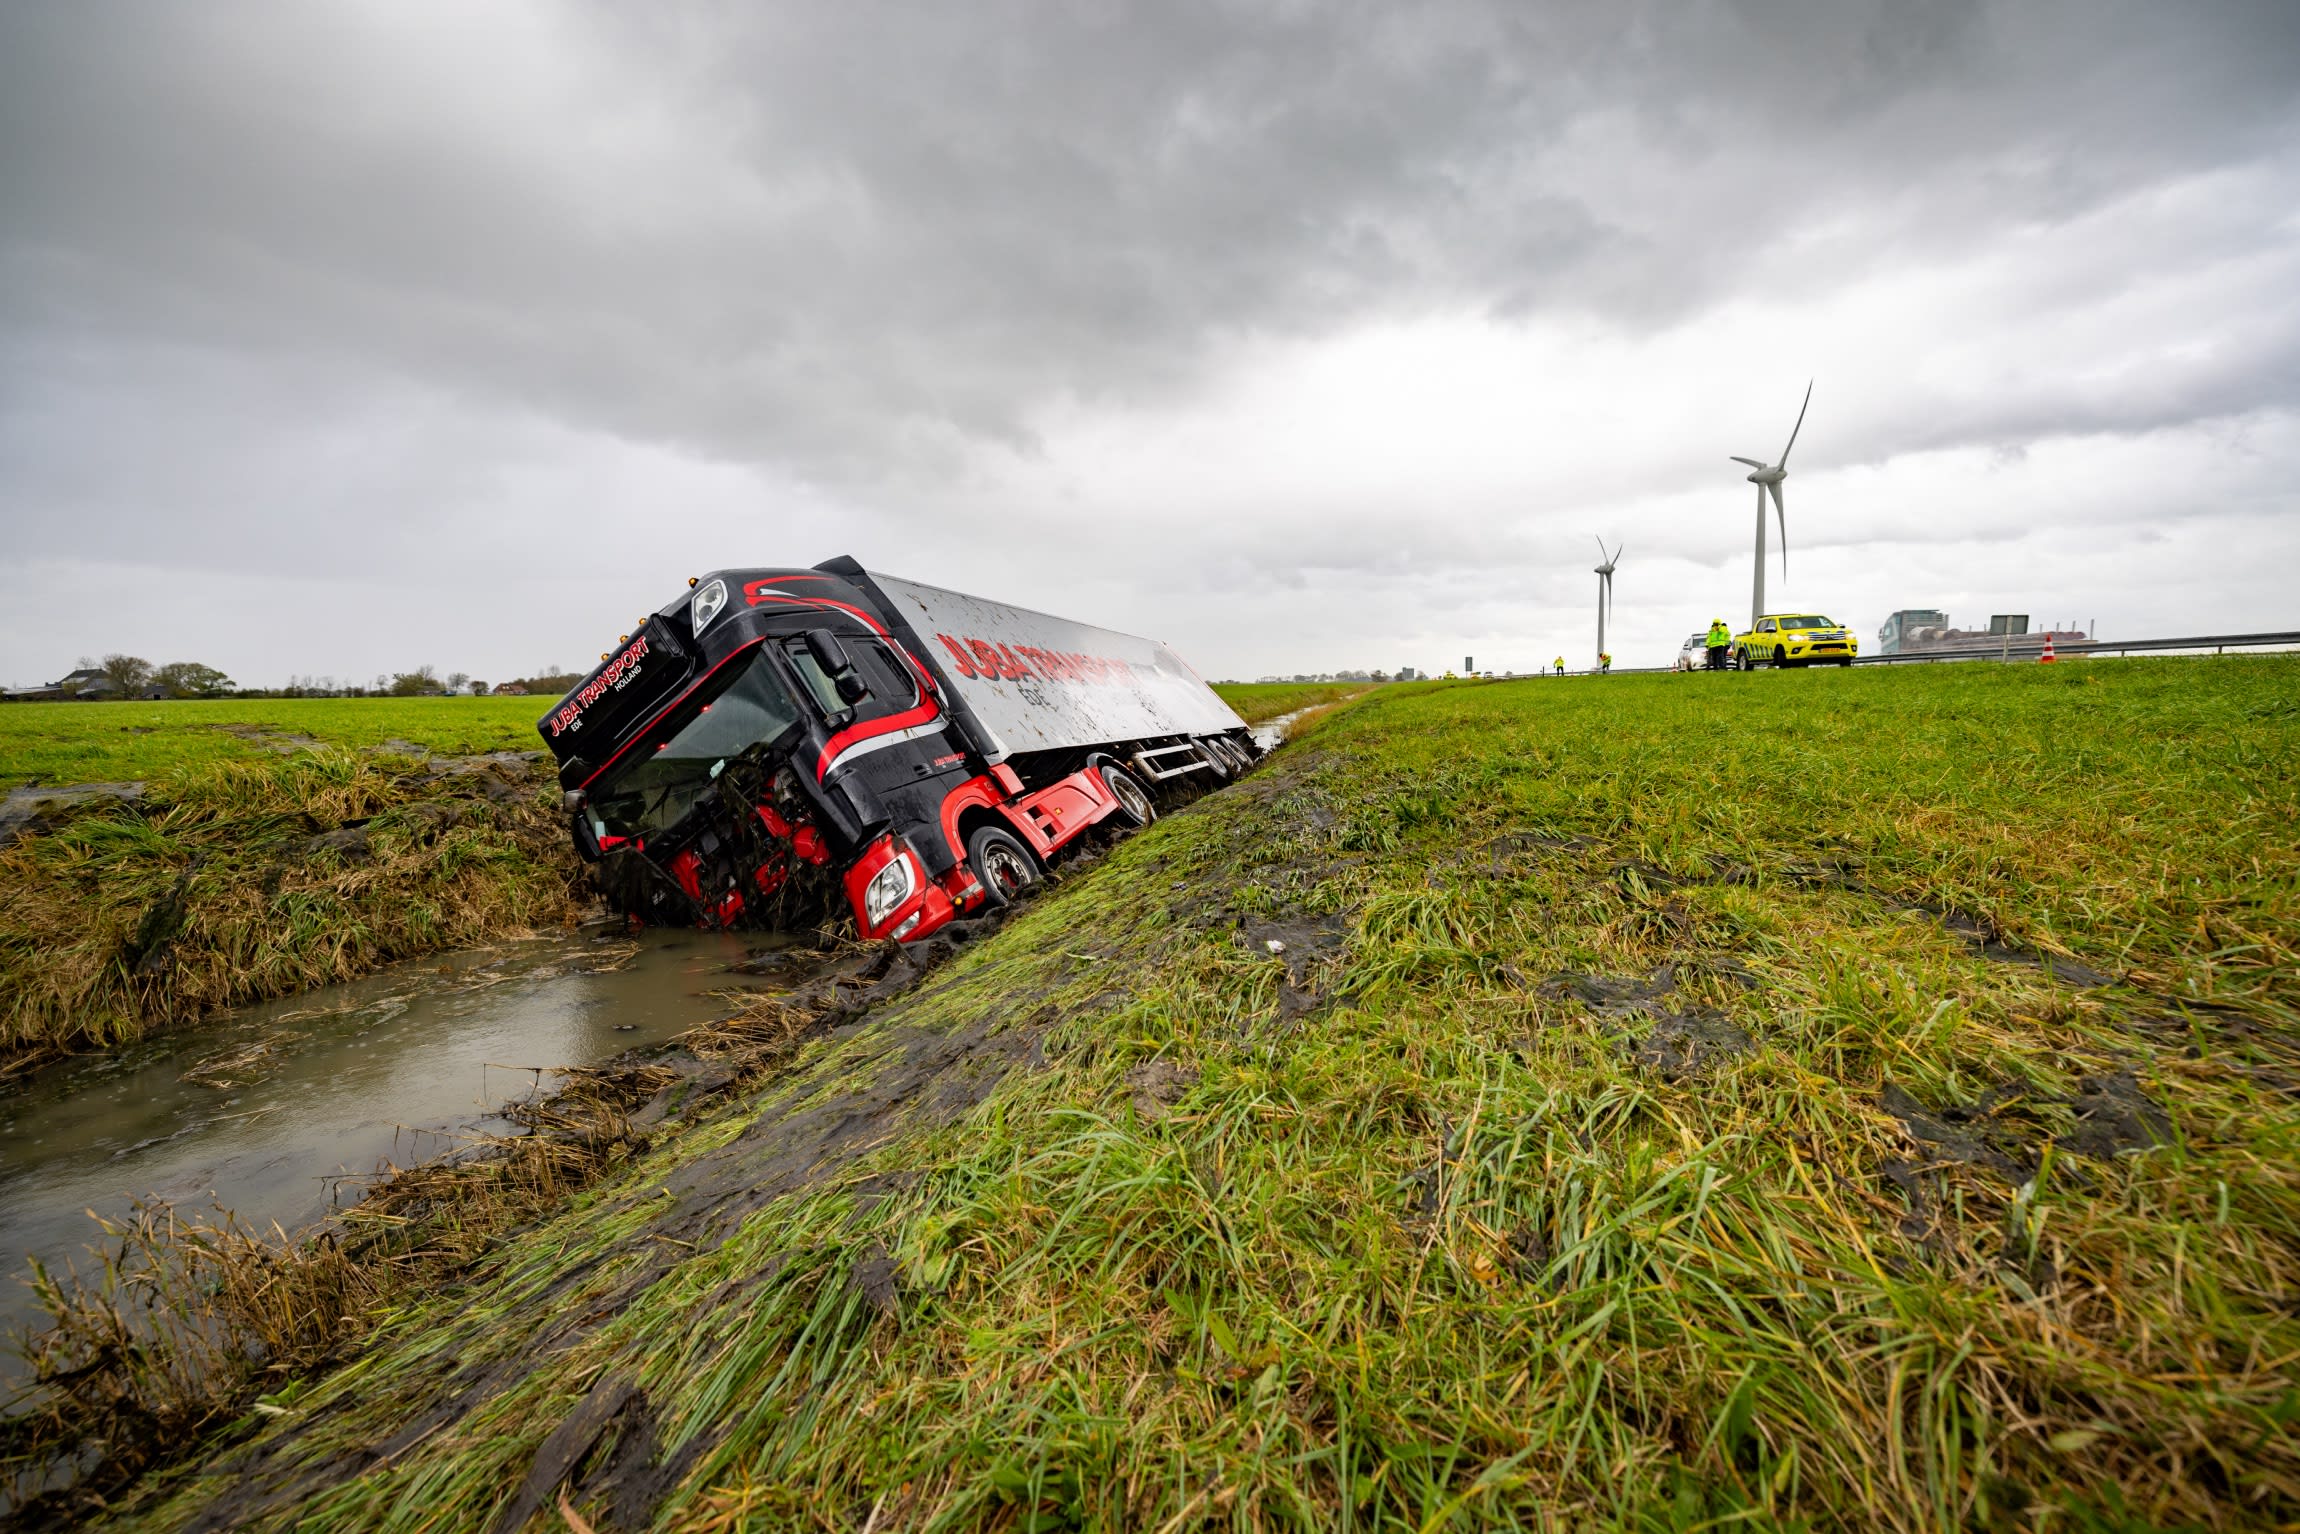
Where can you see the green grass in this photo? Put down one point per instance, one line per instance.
(1425, 1240)
(1257, 701)
(115, 742)
(216, 888)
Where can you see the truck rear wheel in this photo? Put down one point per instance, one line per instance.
(1002, 863)
(1133, 804)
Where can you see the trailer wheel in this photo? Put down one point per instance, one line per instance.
(1003, 864)
(1215, 758)
(1133, 804)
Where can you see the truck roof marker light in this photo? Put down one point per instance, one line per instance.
(705, 605)
(691, 581)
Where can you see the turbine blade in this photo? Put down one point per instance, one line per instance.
(1800, 426)
(1751, 462)
(1781, 512)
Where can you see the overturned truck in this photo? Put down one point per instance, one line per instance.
(775, 739)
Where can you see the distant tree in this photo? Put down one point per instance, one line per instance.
(190, 679)
(414, 684)
(479, 689)
(457, 681)
(128, 673)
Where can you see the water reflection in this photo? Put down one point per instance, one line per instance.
(274, 1110)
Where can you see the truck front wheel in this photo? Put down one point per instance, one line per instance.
(1003, 864)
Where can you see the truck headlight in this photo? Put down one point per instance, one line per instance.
(888, 889)
(706, 606)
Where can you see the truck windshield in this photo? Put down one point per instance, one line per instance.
(655, 792)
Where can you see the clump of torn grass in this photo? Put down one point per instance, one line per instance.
(250, 877)
(1515, 1106)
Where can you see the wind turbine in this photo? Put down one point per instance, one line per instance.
(1768, 477)
(1604, 589)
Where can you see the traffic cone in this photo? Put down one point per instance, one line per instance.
(2047, 658)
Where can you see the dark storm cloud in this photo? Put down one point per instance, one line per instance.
(419, 302)
(850, 236)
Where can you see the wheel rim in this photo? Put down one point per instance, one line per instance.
(1130, 797)
(1004, 868)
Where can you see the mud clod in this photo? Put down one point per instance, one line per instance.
(1614, 995)
(1976, 1136)
(349, 843)
(2114, 1116)
(1990, 944)
(874, 1279)
(1301, 942)
(1157, 1086)
(1527, 1253)
(33, 811)
(1684, 1045)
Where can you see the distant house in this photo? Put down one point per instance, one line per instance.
(87, 682)
(511, 690)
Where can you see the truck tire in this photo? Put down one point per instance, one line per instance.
(1134, 805)
(1001, 862)
(1780, 660)
(1216, 759)
(1747, 661)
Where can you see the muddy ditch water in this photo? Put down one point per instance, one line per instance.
(283, 1111)
(1271, 733)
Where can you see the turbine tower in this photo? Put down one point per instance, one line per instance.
(1604, 588)
(1768, 477)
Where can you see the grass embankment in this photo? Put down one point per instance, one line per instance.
(107, 742)
(1524, 1104)
(275, 845)
(1259, 701)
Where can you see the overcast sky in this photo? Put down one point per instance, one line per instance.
(338, 338)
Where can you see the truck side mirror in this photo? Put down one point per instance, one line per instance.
(852, 689)
(829, 654)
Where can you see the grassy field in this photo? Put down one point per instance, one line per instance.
(1257, 701)
(115, 742)
(278, 844)
(1860, 1099)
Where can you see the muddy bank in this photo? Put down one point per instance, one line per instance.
(285, 1110)
(113, 1415)
(126, 908)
